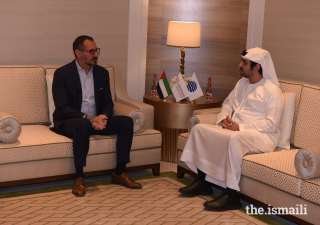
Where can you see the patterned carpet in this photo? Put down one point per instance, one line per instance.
(159, 202)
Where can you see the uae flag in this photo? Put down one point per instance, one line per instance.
(163, 86)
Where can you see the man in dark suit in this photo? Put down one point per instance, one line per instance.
(84, 107)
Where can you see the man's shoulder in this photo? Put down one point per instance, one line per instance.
(66, 67)
(270, 85)
(271, 89)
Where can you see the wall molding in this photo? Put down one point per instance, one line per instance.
(137, 48)
(255, 23)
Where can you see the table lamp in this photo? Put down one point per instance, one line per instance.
(184, 35)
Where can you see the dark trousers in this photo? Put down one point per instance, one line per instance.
(80, 129)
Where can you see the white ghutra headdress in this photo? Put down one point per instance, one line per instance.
(263, 57)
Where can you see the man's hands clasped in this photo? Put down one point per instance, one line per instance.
(229, 124)
(99, 122)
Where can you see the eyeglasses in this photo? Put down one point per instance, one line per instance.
(92, 51)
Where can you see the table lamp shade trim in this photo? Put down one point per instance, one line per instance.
(184, 34)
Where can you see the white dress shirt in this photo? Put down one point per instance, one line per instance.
(88, 105)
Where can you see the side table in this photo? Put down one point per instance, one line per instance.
(171, 118)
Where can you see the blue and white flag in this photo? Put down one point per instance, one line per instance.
(194, 88)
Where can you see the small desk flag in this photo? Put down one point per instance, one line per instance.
(179, 89)
(194, 88)
(163, 87)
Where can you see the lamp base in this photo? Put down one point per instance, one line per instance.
(183, 54)
(163, 100)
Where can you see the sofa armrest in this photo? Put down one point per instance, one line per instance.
(123, 98)
(207, 116)
(206, 111)
(138, 117)
(10, 127)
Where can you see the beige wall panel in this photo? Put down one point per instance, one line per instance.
(21, 32)
(42, 31)
(292, 35)
(155, 12)
(244, 26)
(223, 28)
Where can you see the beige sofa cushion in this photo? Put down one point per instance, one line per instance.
(23, 94)
(296, 88)
(286, 121)
(51, 107)
(310, 190)
(275, 169)
(38, 142)
(307, 130)
(182, 140)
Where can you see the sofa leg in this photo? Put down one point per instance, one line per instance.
(180, 173)
(156, 170)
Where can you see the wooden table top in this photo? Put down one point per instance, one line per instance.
(171, 114)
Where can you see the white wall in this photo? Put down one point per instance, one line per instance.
(289, 30)
(292, 35)
(36, 32)
(137, 48)
(255, 23)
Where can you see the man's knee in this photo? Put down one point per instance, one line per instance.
(128, 122)
(84, 125)
(233, 137)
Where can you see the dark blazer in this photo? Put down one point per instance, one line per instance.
(67, 93)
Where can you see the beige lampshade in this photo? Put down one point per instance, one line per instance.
(184, 34)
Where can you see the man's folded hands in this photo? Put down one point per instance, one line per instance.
(99, 122)
(229, 124)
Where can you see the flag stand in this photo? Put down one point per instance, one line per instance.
(163, 100)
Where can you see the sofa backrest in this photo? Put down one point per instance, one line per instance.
(26, 92)
(306, 121)
(23, 93)
(307, 127)
(296, 88)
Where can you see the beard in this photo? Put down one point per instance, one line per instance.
(92, 62)
(241, 72)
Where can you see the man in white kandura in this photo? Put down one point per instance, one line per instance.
(247, 124)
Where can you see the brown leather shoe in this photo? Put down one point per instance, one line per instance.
(79, 187)
(125, 180)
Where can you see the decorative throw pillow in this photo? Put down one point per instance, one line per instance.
(307, 163)
(49, 79)
(139, 121)
(10, 128)
(286, 120)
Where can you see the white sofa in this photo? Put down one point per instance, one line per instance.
(271, 178)
(40, 155)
